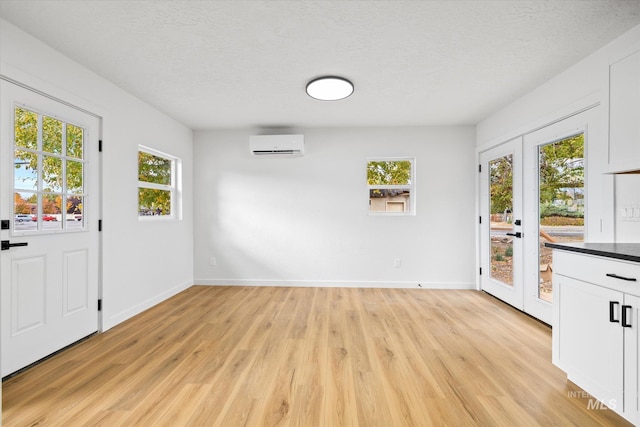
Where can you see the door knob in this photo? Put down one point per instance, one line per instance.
(7, 245)
(516, 234)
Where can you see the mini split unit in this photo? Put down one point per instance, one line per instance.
(277, 145)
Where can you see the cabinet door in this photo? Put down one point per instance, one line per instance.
(624, 114)
(631, 360)
(590, 346)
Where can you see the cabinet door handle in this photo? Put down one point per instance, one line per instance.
(624, 316)
(612, 307)
(615, 276)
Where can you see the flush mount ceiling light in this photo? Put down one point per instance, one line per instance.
(329, 88)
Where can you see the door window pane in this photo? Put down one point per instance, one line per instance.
(26, 129)
(48, 179)
(51, 211)
(26, 170)
(51, 135)
(75, 138)
(74, 177)
(74, 208)
(52, 174)
(561, 197)
(25, 205)
(501, 223)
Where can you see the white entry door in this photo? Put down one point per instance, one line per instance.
(49, 201)
(556, 188)
(501, 222)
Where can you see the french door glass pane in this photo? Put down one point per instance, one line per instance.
(501, 208)
(561, 196)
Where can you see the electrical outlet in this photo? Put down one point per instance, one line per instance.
(630, 212)
(213, 262)
(397, 263)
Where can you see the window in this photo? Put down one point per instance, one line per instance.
(157, 184)
(390, 184)
(48, 174)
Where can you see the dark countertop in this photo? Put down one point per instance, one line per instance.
(624, 251)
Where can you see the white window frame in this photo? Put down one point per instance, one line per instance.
(411, 186)
(173, 187)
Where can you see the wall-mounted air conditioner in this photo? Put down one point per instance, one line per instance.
(277, 145)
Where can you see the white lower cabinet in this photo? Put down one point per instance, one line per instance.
(596, 328)
(632, 362)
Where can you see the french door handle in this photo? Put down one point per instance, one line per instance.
(624, 316)
(8, 245)
(612, 305)
(628, 279)
(516, 234)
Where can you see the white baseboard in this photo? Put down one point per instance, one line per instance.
(113, 320)
(335, 284)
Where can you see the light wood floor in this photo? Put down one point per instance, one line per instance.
(235, 356)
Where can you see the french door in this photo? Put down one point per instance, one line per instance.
(533, 191)
(501, 222)
(49, 201)
(555, 185)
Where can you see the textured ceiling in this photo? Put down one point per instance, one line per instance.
(224, 64)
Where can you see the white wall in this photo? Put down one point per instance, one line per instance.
(627, 196)
(143, 262)
(580, 86)
(304, 221)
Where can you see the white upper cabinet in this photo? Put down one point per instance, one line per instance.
(624, 114)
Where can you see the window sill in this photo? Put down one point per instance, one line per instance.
(392, 214)
(153, 218)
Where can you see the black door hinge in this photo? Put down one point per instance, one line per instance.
(480, 168)
(480, 218)
(99, 225)
(99, 305)
(100, 145)
(481, 271)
